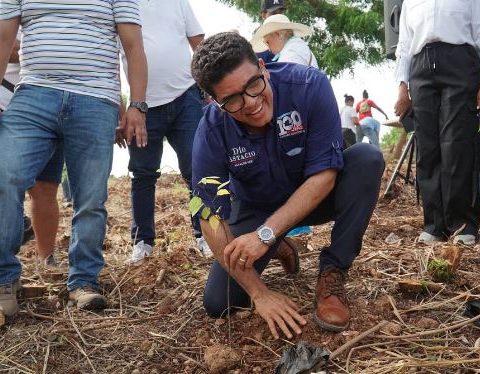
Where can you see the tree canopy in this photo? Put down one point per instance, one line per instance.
(346, 31)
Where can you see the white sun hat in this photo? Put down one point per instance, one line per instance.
(274, 23)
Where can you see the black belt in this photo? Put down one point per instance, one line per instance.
(9, 86)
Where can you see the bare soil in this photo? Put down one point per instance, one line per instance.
(156, 322)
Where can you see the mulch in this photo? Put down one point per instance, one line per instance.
(156, 322)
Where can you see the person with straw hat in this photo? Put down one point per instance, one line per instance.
(283, 38)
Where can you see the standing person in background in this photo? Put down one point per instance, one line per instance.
(283, 38)
(369, 126)
(44, 206)
(269, 8)
(169, 29)
(69, 92)
(438, 66)
(349, 119)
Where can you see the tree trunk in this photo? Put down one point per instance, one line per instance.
(400, 144)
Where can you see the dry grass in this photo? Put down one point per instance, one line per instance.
(156, 321)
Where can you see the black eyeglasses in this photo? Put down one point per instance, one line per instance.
(254, 87)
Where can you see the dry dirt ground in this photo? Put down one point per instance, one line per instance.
(156, 322)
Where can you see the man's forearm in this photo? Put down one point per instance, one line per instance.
(137, 73)
(305, 199)
(217, 241)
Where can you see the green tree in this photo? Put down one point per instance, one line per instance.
(346, 31)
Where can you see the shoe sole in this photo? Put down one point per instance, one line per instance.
(328, 327)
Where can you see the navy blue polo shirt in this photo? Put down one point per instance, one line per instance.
(303, 138)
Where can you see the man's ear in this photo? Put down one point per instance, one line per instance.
(265, 72)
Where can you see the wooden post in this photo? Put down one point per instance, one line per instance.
(452, 254)
(397, 151)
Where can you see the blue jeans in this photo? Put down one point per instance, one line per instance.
(177, 121)
(370, 128)
(35, 121)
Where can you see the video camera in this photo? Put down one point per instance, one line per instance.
(391, 12)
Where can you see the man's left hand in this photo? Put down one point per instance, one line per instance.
(133, 125)
(244, 251)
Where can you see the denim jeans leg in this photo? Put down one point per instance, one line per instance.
(372, 136)
(27, 140)
(188, 108)
(358, 134)
(144, 165)
(89, 130)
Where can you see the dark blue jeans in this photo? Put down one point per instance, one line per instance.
(177, 121)
(350, 205)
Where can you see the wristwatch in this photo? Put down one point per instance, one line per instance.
(140, 105)
(266, 235)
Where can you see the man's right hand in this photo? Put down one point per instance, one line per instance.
(279, 311)
(403, 104)
(133, 125)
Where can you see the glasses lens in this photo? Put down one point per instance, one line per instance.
(233, 104)
(255, 87)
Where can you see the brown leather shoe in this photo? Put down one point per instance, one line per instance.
(287, 254)
(331, 313)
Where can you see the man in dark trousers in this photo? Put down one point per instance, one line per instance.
(438, 66)
(273, 131)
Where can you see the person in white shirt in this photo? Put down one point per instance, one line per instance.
(349, 119)
(170, 30)
(438, 71)
(283, 38)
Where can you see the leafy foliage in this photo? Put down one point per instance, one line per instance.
(196, 204)
(346, 31)
(440, 270)
(391, 138)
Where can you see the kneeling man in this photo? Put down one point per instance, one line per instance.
(274, 132)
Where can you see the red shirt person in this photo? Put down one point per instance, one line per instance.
(364, 107)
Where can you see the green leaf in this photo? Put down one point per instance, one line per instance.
(209, 180)
(206, 213)
(223, 185)
(194, 205)
(223, 192)
(214, 222)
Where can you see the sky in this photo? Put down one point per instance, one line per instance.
(216, 17)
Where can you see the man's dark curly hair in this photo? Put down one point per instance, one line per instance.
(218, 56)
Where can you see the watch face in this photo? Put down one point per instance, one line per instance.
(143, 107)
(265, 233)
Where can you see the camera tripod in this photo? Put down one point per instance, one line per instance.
(409, 177)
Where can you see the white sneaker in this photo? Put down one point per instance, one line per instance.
(464, 239)
(140, 251)
(203, 247)
(428, 238)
